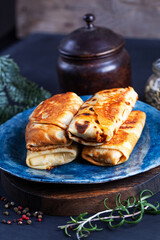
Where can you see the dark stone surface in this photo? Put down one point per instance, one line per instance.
(37, 56)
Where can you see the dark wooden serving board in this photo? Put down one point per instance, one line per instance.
(73, 199)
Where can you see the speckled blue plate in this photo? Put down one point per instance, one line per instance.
(145, 156)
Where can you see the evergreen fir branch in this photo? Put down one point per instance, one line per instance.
(10, 111)
(16, 92)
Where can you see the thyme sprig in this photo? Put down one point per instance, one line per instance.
(129, 211)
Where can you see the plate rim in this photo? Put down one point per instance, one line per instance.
(65, 180)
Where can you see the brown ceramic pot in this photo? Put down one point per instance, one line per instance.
(91, 59)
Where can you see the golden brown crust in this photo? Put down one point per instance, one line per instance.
(48, 122)
(101, 116)
(45, 136)
(57, 110)
(119, 148)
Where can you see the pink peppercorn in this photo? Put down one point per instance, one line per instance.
(19, 219)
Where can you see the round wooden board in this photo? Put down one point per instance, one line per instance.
(73, 199)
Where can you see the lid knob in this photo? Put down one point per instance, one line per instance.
(89, 18)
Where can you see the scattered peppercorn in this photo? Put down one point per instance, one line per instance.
(28, 214)
(26, 209)
(23, 216)
(12, 204)
(15, 209)
(6, 213)
(19, 212)
(20, 222)
(35, 214)
(29, 221)
(3, 221)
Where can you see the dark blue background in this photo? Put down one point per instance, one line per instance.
(36, 57)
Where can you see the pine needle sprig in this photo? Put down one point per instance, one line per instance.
(129, 211)
(16, 92)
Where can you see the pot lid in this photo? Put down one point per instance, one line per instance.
(90, 41)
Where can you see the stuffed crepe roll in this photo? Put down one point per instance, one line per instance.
(47, 159)
(46, 136)
(119, 148)
(100, 117)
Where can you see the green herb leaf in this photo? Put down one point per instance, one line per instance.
(129, 211)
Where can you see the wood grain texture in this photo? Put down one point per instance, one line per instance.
(131, 18)
(73, 199)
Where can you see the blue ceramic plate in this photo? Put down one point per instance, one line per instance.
(145, 156)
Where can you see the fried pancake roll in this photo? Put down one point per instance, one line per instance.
(119, 148)
(46, 136)
(47, 159)
(100, 117)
